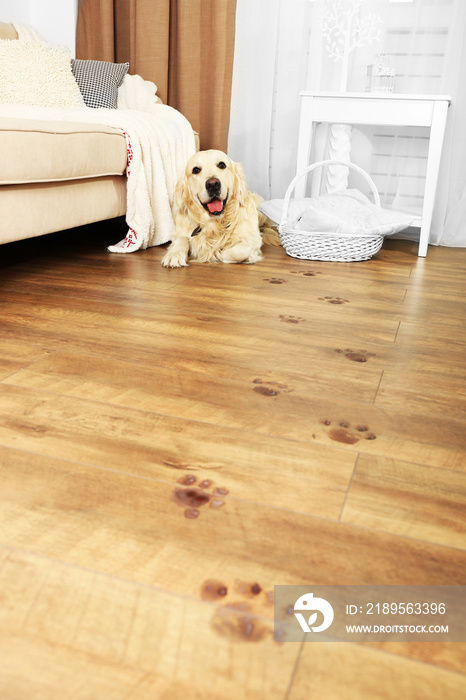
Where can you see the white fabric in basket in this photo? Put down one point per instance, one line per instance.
(273, 209)
(349, 211)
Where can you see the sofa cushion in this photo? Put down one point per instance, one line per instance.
(39, 208)
(99, 81)
(45, 151)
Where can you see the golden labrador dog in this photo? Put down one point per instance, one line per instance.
(218, 219)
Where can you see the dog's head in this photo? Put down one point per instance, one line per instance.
(212, 183)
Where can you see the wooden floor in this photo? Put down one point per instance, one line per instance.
(174, 443)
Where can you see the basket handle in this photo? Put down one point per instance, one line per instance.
(320, 164)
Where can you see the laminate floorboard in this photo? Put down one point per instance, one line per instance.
(296, 412)
(175, 443)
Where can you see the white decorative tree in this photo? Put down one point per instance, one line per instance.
(345, 30)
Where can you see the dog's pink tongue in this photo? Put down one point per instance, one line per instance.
(215, 205)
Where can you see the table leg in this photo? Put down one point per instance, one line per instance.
(433, 165)
(306, 129)
(320, 144)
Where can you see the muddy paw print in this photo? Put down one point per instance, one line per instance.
(269, 388)
(305, 273)
(291, 319)
(334, 300)
(243, 611)
(197, 495)
(343, 432)
(356, 355)
(274, 280)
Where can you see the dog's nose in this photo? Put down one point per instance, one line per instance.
(213, 185)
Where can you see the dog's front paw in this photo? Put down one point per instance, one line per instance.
(174, 259)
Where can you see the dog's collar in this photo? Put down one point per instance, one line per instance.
(196, 231)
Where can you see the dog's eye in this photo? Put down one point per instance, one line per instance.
(196, 170)
(221, 165)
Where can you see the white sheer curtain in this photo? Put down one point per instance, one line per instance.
(280, 50)
(270, 68)
(449, 224)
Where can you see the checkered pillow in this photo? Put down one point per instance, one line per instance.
(99, 81)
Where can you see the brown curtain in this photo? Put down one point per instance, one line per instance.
(184, 46)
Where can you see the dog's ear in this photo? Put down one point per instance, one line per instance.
(182, 195)
(240, 189)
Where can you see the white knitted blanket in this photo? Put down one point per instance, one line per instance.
(159, 139)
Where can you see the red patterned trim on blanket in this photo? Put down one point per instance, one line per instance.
(131, 238)
(129, 149)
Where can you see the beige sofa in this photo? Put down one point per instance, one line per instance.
(58, 175)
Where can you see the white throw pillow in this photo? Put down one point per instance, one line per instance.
(348, 211)
(37, 74)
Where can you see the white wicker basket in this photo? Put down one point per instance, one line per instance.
(325, 245)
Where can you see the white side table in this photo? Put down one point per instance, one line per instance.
(382, 109)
